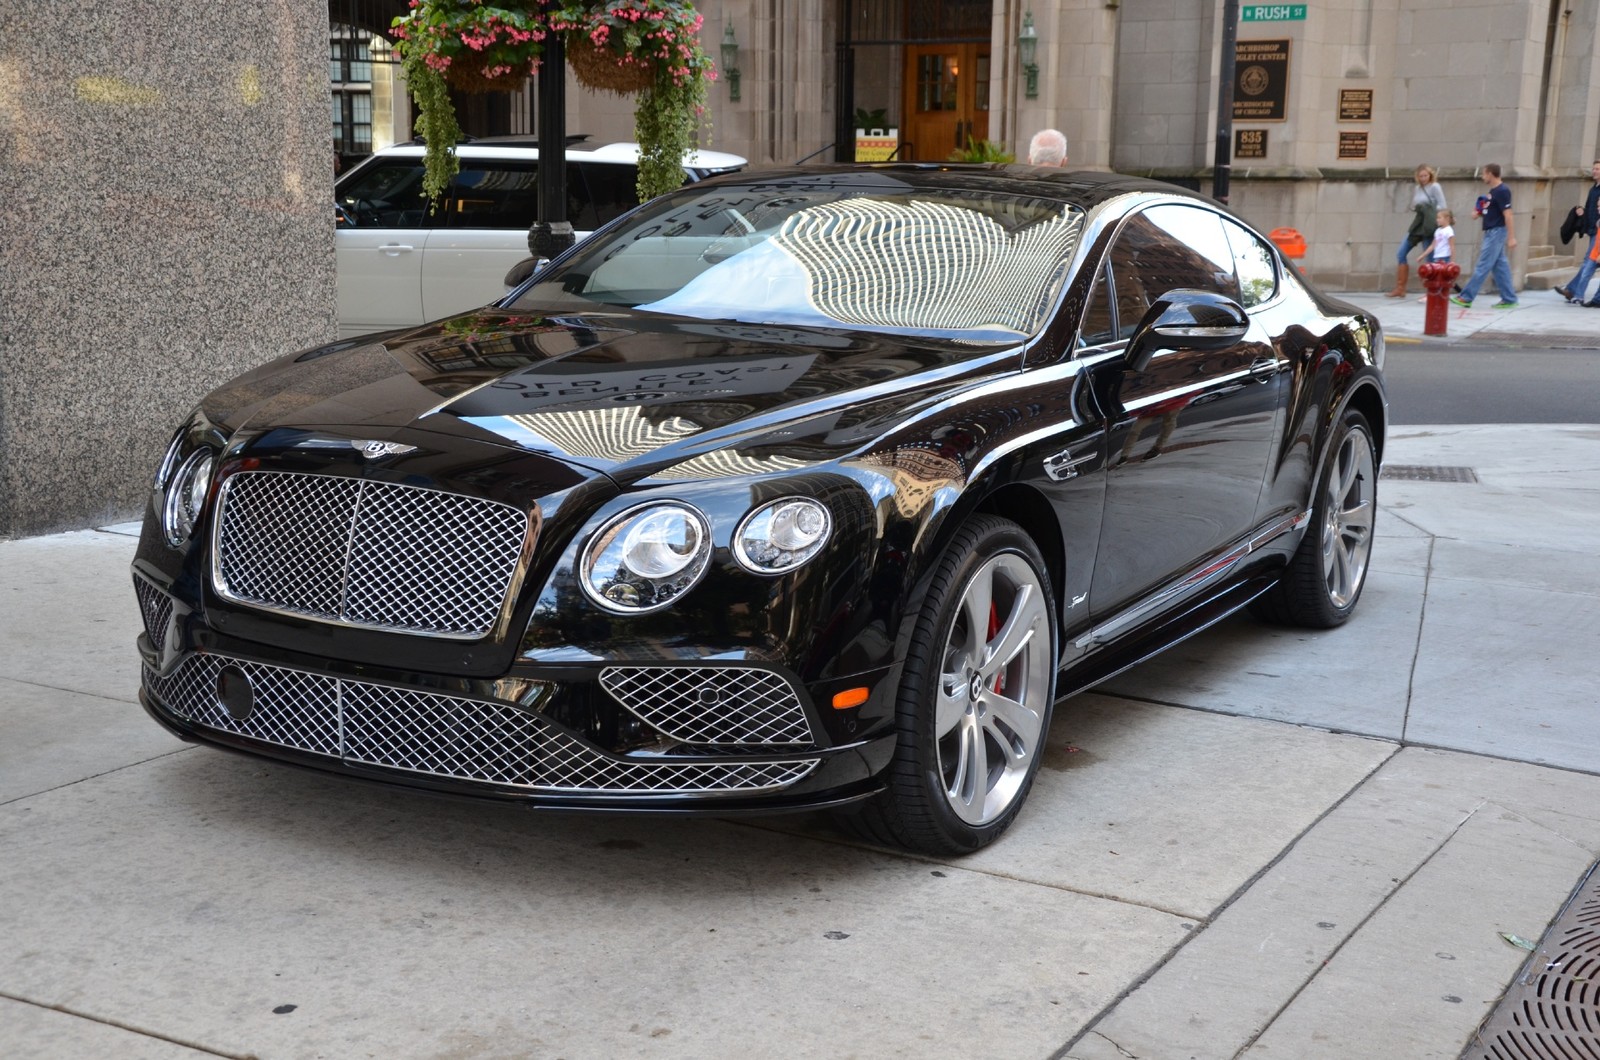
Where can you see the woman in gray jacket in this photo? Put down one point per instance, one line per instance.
(1426, 202)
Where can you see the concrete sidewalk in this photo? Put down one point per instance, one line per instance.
(1540, 318)
(1267, 843)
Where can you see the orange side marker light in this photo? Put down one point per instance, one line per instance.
(850, 697)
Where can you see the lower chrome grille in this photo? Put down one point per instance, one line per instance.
(444, 736)
(712, 705)
(374, 554)
(156, 608)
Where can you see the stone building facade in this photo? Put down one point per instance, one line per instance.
(1360, 93)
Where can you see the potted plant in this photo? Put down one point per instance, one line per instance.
(646, 47)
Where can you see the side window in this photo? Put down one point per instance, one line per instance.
(1097, 324)
(386, 194)
(494, 194)
(613, 190)
(1258, 272)
(1165, 248)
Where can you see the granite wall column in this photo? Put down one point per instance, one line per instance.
(166, 223)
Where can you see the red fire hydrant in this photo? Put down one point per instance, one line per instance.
(1437, 276)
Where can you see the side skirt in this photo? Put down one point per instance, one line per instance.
(1151, 640)
(1197, 601)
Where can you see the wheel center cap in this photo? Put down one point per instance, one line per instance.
(975, 686)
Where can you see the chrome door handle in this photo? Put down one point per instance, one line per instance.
(1063, 466)
(394, 250)
(1265, 368)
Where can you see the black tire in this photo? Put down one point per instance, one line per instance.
(935, 804)
(1322, 583)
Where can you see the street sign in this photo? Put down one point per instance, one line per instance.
(1272, 13)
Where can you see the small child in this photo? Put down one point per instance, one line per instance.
(1444, 239)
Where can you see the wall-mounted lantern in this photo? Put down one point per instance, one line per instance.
(1027, 49)
(730, 61)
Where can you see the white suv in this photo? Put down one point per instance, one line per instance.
(400, 266)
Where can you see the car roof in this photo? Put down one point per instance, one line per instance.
(526, 147)
(1079, 187)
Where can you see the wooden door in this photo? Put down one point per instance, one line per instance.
(946, 99)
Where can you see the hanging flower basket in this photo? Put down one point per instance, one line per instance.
(599, 67)
(648, 48)
(477, 73)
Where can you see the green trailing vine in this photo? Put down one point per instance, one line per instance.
(666, 121)
(436, 122)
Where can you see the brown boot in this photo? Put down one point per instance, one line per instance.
(1400, 274)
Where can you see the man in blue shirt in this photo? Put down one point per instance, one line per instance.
(1499, 240)
(1588, 214)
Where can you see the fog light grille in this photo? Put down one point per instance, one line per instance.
(155, 607)
(712, 705)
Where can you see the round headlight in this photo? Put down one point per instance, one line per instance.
(169, 461)
(186, 497)
(646, 558)
(780, 536)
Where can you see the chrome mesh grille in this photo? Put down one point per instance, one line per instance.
(365, 553)
(292, 708)
(706, 705)
(156, 608)
(443, 736)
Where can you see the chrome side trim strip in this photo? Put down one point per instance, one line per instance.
(1194, 580)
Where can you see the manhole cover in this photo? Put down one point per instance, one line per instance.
(1551, 1011)
(1428, 473)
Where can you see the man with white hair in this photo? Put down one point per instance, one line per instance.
(1048, 148)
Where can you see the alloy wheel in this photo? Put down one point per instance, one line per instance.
(1347, 524)
(994, 689)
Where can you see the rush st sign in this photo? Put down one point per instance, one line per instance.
(1273, 13)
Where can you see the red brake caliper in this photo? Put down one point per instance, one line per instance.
(994, 627)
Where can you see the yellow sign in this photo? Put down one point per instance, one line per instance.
(876, 145)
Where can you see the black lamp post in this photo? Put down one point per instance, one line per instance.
(552, 232)
(1222, 171)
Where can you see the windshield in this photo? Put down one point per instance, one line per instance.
(964, 264)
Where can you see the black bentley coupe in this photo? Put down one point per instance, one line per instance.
(811, 488)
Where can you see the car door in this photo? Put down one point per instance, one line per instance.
(484, 232)
(382, 228)
(1191, 432)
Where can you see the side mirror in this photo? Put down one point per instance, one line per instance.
(1187, 320)
(523, 269)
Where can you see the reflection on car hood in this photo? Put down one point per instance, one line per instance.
(619, 392)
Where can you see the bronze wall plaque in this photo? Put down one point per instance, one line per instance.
(1249, 143)
(1355, 104)
(1261, 80)
(1353, 145)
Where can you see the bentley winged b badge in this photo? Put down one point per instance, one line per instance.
(373, 449)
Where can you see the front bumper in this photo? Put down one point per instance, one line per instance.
(685, 738)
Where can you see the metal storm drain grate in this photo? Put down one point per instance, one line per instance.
(1428, 473)
(1551, 1011)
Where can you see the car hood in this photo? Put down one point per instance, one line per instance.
(622, 393)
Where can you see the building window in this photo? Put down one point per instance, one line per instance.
(350, 76)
